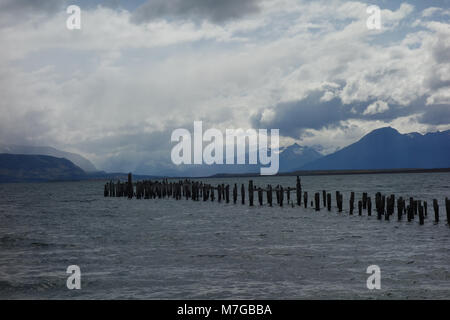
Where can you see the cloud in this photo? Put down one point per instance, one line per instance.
(198, 10)
(376, 107)
(13, 12)
(115, 89)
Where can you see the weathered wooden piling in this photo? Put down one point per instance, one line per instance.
(411, 209)
(378, 205)
(250, 193)
(436, 210)
(339, 198)
(425, 207)
(235, 193)
(227, 193)
(410, 214)
(305, 199)
(298, 190)
(130, 186)
(219, 193)
(281, 196)
(369, 206)
(421, 216)
(260, 196)
(324, 198)
(352, 202)
(269, 194)
(329, 201)
(359, 207)
(399, 208)
(317, 200)
(242, 194)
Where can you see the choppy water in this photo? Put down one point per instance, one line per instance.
(193, 250)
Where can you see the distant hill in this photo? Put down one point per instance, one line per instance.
(37, 168)
(386, 148)
(78, 160)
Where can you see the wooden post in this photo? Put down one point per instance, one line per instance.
(425, 207)
(369, 206)
(250, 193)
(298, 189)
(364, 200)
(281, 196)
(242, 194)
(329, 201)
(421, 216)
(130, 186)
(436, 210)
(106, 191)
(235, 193)
(305, 199)
(269, 194)
(352, 202)
(260, 196)
(359, 207)
(277, 193)
(227, 193)
(339, 198)
(324, 198)
(219, 193)
(411, 209)
(399, 208)
(317, 200)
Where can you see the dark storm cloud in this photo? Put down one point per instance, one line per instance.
(18, 6)
(292, 118)
(25, 7)
(211, 10)
(436, 115)
(16, 11)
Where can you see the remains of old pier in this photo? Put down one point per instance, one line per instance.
(196, 190)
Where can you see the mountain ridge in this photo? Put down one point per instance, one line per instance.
(386, 148)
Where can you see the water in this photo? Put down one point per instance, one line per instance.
(167, 249)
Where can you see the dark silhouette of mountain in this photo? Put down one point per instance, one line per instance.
(37, 168)
(78, 160)
(386, 148)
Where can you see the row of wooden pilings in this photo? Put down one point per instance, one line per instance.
(196, 190)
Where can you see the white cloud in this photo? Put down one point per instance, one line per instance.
(376, 107)
(115, 78)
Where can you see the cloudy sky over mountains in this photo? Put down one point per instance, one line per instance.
(114, 90)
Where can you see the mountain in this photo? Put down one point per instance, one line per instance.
(386, 148)
(296, 156)
(37, 168)
(78, 160)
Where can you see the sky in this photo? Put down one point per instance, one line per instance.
(115, 90)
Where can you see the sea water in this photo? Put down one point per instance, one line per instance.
(168, 249)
